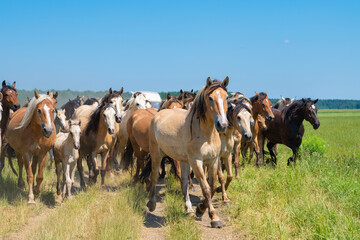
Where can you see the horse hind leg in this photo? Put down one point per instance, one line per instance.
(40, 174)
(21, 183)
(270, 147)
(185, 170)
(221, 188)
(81, 172)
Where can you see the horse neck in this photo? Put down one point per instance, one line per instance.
(5, 118)
(255, 111)
(206, 127)
(295, 117)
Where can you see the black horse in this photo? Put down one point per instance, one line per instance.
(71, 105)
(287, 128)
(91, 101)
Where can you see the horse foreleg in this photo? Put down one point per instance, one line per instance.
(221, 177)
(58, 177)
(40, 174)
(81, 171)
(185, 170)
(156, 157)
(261, 141)
(293, 157)
(21, 183)
(229, 171)
(235, 156)
(104, 157)
(270, 147)
(30, 177)
(163, 171)
(257, 151)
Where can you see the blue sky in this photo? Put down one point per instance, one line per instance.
(289, 48)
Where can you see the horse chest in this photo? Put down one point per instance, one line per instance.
(210, 150)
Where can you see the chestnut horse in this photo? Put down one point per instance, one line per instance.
(192, 137)
(261, 105)
(288, 128)
(9, 102)
(36, 123)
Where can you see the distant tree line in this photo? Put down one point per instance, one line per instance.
(65, 95)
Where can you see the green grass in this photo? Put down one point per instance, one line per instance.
(319, 198)
(180, 226)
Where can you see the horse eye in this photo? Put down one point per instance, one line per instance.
(211, 99)
(137, 104)
(39, 111)
(238, 118)
(263, 105)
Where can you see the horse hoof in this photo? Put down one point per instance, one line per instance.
(199, 213)
(191, 214)
(151, 206)
(31, 201)
(217, 224)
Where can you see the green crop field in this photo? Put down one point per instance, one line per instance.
(318, 198)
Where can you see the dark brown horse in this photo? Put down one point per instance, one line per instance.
(71, 105)
(92, 101)
(9, 102)
(287, 128)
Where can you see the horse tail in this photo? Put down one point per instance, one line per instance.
(128, 155)
(12, 166)
(10, 153)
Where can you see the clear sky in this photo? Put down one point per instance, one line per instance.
(288, 48)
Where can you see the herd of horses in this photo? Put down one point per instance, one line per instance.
(201, 134)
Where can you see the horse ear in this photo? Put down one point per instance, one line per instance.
(293, 99)
(208, 81)
(121, 90)
(3, 84)
(110, 91)
(14, 83)
(316, 101)
(36, 94)
(1, 96)
(192, 90)
(134, 94)
(56, 95)
(180, 97)
(303, 100)
(181, 91)
(282, 98)
(168, 96)
(225, 82)
(47, 93)
(79, 122)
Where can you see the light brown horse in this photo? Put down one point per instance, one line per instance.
(240, 119)
(98, 137)
(31, 133)
(192, 137)
(261, 108)
(138, 126)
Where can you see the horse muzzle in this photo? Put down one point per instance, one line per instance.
(117, 119)
(15, 107)
(247, 136)
(316, 125)
(270, 118)
(77, 146)
(111, 131)
(47, 131)
(221, 124)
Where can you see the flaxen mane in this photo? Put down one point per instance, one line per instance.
(31, 109)
(239, 106)
(93, 124)
(199, 106)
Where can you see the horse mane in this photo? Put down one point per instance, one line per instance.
(239, 106)
(260, 97)
(296, 105)
(93, 124)
(165, 104)
(199, 107)
(31, 109)
(7, 87)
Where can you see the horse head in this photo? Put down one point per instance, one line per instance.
(262, 105)
(108, 115)
(75, 132)
(310, 111)
(45, 114)
(10, 94)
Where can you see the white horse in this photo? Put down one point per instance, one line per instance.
(66, 151)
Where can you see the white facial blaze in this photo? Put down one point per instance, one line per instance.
(175, 106)
(47, 114)
(221, 105)
(313, 106)
(117, 105)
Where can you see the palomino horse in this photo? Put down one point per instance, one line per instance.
(282, 103)
(137, 101)
(9, 102)
(36, 123)
(288, 128)
(240, 119)
(261, 108)
(66, 152)
(138, 126)
(98, 137)
(192, 137)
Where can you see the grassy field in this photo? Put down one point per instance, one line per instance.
(319, 198)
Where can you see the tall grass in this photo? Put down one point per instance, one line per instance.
(318, 198)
